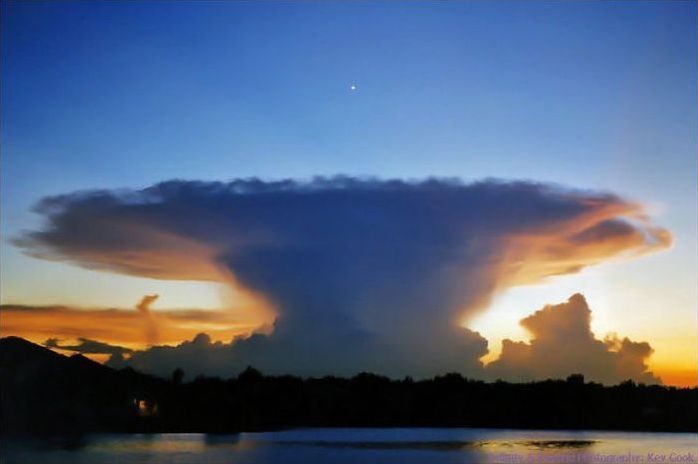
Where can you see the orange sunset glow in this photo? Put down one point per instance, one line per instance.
(336, 232)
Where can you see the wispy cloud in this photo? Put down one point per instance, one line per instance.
(88, 346)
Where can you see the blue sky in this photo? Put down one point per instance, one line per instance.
(101, 95)
(598, 95)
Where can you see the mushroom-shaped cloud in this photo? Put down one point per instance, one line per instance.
(364, 273)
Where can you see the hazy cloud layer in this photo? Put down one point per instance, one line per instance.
(119, 326)
(364, 274)
(562, 343)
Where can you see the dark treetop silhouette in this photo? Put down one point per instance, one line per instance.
(43, 392)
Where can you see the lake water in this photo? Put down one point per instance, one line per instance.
(352, 446)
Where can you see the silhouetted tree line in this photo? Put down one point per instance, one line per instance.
(43, 392)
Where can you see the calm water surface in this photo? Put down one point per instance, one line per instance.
(338, 446)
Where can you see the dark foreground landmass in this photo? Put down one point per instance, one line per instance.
(43, 392)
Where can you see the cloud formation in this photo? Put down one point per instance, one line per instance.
(364, 274)
(120, 326)
(87, 346)
(151, 326)
(562, 343)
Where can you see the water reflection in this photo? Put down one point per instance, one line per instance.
(558, 444)
(385, 445)
(348, 446)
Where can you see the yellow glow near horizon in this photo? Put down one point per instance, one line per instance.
(618, 304)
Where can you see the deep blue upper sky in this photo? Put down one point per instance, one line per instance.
(125, 94)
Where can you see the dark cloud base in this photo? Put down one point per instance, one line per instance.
(562, 344)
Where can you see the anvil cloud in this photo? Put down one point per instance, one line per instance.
(364, 274)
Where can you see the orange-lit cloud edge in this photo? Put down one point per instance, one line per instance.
(121, 327)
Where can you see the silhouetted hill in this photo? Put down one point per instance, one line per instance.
(16, 351)
(43, 392)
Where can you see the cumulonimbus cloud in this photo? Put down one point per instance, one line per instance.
(364, 274)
